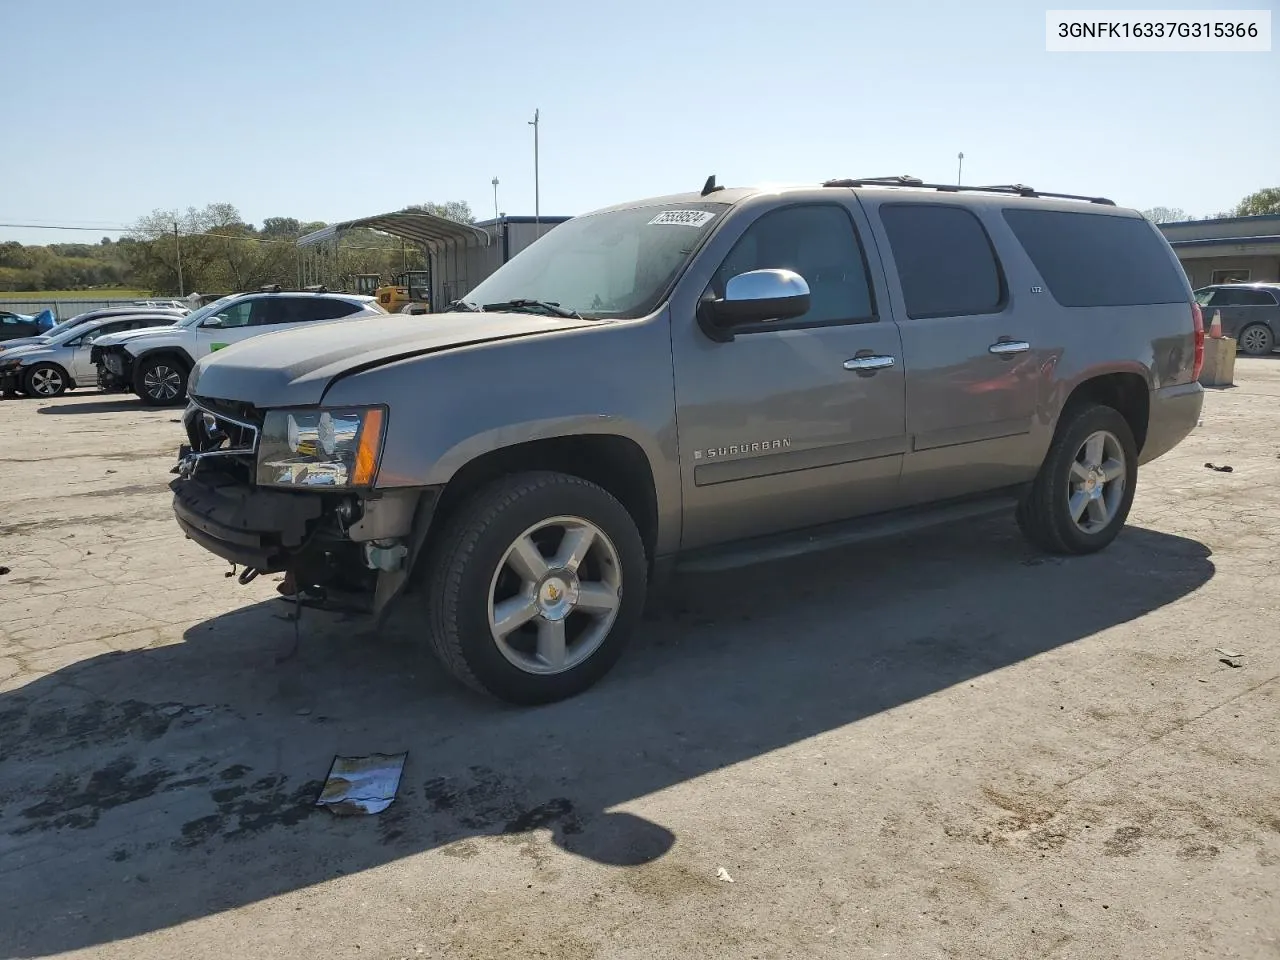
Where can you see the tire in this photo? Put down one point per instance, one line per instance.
(1066, 480)
(160, 381)
(45, 380)
(476, 567)
(1256, 340)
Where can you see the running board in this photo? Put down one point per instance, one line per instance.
(845, 532)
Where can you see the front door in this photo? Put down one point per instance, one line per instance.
(972, 363)
(236, 322)
(797, 422)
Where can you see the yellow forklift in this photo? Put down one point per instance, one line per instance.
(410, 288)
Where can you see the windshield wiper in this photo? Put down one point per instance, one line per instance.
(547, 306)
(462, 305)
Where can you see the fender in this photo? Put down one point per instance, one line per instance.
(176, 349)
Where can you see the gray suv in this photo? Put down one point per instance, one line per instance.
(695, 382)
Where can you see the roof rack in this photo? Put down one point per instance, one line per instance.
(269, 288)
(1017, 189)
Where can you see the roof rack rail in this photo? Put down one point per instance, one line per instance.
(1018, 189)
(317, 288)
(269, 288)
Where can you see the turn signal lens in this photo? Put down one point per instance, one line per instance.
(370, 445)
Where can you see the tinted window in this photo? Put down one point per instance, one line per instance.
(1096, 260)
(324, 309)
(945, 260)
(1256, 298)
(816, 242)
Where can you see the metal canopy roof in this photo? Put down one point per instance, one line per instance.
(423, 228)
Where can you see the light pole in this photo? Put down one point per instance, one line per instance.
(495, 198)
(177, 247)
(960, 169)
(537, 208)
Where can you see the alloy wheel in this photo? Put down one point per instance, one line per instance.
(162, 382)
(1095, 489)
(555, 595)
(47, 382)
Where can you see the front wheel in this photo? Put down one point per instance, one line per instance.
(160, 382)
(1081, 497)
(45, 380)
(534, 587)
(1257, 340)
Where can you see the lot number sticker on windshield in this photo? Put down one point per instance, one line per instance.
(683, 218)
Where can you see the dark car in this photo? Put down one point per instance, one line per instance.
(1250, 313)
(15, 325)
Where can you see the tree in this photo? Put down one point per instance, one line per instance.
(457, 210)
(1258, 204)
(282, 227)
(1165, 214)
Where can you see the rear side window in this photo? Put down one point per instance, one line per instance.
(324, 310)
(1241, 297)
(945, 260)
(1096, 260)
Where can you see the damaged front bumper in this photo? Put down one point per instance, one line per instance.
(115, 367)
(352, 541)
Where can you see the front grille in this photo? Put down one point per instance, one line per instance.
(235, 409)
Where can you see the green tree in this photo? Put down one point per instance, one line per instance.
(1266, 201)
(458, 210)
(1165, 214)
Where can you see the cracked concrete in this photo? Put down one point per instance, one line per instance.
(947, 746)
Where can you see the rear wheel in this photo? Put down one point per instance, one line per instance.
(45, 380)
(160, 382)
(1257, 340)
(1081, 497)
(534, 587)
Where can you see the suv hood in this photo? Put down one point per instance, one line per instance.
(111, 339)
(295, 367)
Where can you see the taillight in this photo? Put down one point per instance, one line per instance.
(1197, 325)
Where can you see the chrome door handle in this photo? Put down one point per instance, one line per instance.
(862, 364)
(1005, 348)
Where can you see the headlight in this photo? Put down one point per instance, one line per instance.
(336, 448)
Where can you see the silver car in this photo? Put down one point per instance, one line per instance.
(61, 361)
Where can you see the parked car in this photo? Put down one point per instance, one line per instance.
(14, 326)
(163, 317)
(61, 362)
(155, 364)
(1250, 313)
(699, 381)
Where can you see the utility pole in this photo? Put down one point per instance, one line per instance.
(960, 169)
(177, 246)
(537, 208)
(495, 198)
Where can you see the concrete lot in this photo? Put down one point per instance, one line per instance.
(943, 747)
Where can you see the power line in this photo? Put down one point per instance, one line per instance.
(47, 226)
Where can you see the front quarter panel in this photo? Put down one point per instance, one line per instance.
(446, 409)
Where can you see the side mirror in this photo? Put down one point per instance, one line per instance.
(212, 322)
(758, 296)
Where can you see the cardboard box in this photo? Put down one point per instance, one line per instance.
(1219, 362)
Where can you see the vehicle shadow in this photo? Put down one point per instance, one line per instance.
(145, 789)
(103, 403)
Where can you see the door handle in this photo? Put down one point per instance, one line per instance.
(868, 364)
(1007, 348)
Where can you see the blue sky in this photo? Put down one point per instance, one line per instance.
(329, 109)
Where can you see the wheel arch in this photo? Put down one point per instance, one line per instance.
(176, 351)
(1126, 391)
(616, 463)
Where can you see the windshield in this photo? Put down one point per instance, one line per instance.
(616, 264)
(193, 319)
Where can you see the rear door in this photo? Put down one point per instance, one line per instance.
(783, 427)
(287, 313)
(971, 360)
